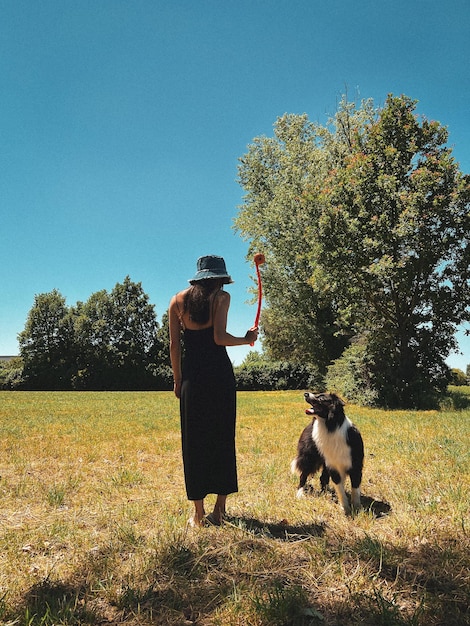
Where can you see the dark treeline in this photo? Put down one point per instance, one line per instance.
(114, 342)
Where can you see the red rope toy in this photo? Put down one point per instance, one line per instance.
(259, 259)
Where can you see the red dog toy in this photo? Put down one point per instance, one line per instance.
(259, 259)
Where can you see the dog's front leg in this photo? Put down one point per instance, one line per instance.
(356, 498)
(356, 476)
(338, 482)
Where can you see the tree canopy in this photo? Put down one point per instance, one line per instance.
(111, 341)
(365, 228)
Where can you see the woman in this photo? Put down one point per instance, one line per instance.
(205, 384)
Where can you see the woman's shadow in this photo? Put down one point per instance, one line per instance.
(283, 531)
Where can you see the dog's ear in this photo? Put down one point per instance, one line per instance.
(336, 400)
(335, 405)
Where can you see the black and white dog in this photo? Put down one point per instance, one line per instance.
(332, 442)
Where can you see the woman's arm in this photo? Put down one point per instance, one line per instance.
(221, 336)
(175, 346)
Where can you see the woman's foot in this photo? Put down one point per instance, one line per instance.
(197, 520)
(218, 514)
(214, 520)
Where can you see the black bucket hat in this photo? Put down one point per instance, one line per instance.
(211, 266)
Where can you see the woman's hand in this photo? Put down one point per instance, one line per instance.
(177, 388)
(252, 335)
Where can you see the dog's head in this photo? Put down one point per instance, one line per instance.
(324, 405)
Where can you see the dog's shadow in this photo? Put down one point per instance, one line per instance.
(281, 531)
(377, 508)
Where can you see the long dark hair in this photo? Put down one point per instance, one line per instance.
(197, 300)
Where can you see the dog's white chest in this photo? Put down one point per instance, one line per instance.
(333, 445)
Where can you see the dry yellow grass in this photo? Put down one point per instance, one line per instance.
(93, 519)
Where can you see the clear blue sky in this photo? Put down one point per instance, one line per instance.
(121, 123)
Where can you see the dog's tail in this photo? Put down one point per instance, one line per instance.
(294, 467)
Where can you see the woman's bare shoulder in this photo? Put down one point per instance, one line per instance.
(177, 302)
(177, 297)
(222, 297)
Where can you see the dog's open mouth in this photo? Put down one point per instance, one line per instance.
(312, 401)
(313, 408)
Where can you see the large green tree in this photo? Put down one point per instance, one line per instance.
(393, 245)
(117, 336)
(365, 227)
(108, 342)
(47, 343)
(283, 177)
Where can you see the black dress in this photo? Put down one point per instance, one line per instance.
(208, 414)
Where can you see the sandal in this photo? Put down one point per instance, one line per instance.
(212, 520)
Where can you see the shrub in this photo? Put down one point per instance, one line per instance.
(360, 375)
(458, 378)
(277, 376)
(11, 374)
(350, 376)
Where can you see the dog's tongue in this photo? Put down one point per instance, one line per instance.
(310, 411)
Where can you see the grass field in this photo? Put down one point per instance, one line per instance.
(93, 519)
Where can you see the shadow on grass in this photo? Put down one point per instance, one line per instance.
(281, 531)
(436, 569)
(193, 583)
(378, 508)
(52, 602)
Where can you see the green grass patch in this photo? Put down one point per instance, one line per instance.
(93, 519)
